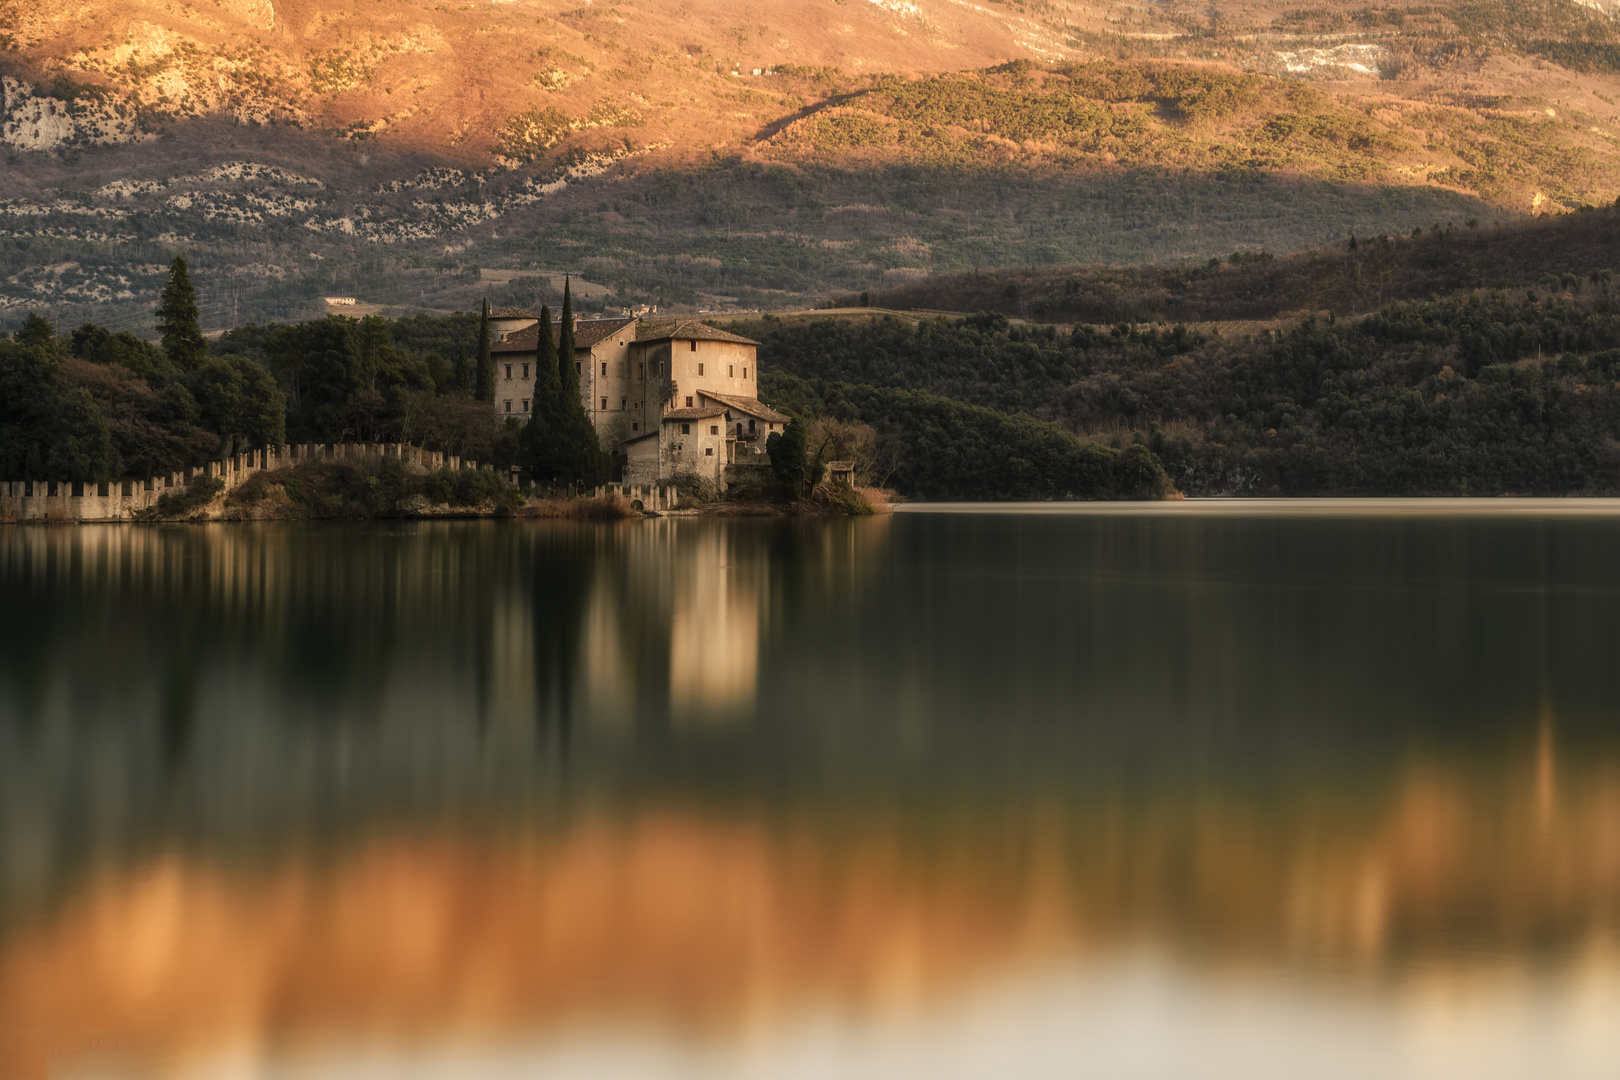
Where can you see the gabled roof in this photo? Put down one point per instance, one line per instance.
(750, 406)
(587, 332)
(638, 438)
(688, 330)
(700, 413)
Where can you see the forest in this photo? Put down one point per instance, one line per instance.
(1482, 392)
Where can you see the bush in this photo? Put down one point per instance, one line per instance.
(176, 505)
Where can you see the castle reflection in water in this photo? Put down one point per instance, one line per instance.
(279, 786)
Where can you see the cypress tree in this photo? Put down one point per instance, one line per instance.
(580, 451)
(568, 373)
(538, 440)
(486, 363)
(178, 320)
(789, 453)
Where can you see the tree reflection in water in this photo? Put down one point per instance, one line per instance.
(268, 786)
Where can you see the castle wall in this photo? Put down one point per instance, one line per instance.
(123, 500)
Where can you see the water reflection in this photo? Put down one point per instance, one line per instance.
(809, 799)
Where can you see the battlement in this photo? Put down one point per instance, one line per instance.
(123, 500)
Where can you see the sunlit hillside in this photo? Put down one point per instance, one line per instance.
(716, 157)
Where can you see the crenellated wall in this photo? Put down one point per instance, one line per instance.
(122, 500)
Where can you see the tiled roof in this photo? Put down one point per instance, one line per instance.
(699, 413)
(747, 405)
(688, 330)
(587, 332)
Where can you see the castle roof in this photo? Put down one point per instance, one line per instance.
(750, 406)
(587, 332)
(688, 330)
(701, 412)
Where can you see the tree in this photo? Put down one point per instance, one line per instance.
(101, 346)
(49, 430)
(240, 402)
(486, 363)
(539, 444)
(568, 369)
(579, 452)
(29, 368)
(178, 320)
(787, 450)
(458, 371)
(83, 449)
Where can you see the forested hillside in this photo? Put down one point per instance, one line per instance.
(1484, 392)
(1506, 389)
(1349, 275)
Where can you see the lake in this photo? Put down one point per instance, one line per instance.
(1206, 791)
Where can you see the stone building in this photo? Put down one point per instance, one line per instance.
(675, 397)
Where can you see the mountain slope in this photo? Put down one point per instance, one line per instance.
(714, 155)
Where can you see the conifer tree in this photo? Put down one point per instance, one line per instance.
(567, 370)
(486, 363)
(178, 320)
(580, 452)
(539, 439)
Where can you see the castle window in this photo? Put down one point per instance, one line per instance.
(624, 403)
(635, 427)
(750, 423)
(700, 369)
(525, 374)
(508, 406)
(708, 451)
(730, 371)
(508, 371)
(714, 429)
(689, 401)
(604, 404)
(604, 369)
(525, 404)
(745, 373)
(694, 345)
(686, 429)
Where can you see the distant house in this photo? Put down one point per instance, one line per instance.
(340, 301)
(675, 397)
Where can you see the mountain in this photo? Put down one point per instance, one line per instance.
(715, 155)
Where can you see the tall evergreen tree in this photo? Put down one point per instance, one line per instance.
(568, 369)
(178, 320)
(580, 451)
(486, 363)
(539, 441)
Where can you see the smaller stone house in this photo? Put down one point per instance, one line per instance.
(702, 440)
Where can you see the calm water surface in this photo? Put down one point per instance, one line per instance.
(933, 795)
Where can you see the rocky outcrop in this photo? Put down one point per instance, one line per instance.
(32, 121)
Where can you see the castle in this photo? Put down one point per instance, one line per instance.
(675, 397)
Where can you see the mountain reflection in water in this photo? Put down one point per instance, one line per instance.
(914, 796)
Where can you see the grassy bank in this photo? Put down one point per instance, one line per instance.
(374, 489)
